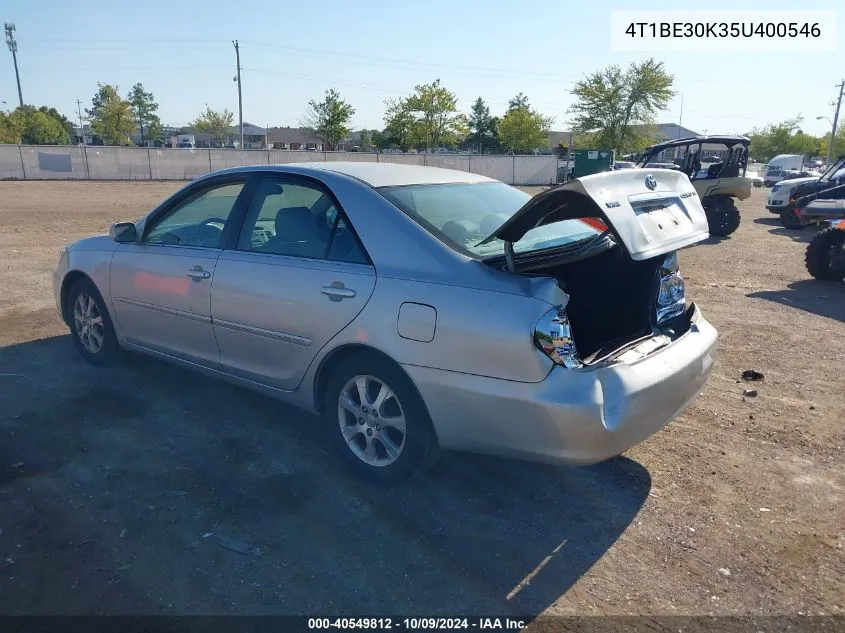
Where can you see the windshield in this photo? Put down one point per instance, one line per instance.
(462, 215)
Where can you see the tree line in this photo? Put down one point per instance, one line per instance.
(614, 108)
(787, 137)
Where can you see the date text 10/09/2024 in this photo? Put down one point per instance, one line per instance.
(417, 624)
(724, 29)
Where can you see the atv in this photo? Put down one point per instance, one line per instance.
(717, 181)
(816, 197)
(825, 256)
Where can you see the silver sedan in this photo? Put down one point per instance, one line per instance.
(414, 308)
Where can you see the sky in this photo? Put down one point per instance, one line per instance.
(373, 50)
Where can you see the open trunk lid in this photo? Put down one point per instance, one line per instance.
(652, 211)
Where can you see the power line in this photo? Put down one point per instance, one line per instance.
(12, 43)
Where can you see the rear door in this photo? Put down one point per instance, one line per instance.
(161, 285)
(652, 211)
(296, 277)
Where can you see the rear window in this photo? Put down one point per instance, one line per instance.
(463, 214)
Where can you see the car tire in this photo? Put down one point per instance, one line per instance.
(818, 255)
(381, 452)
(90, 323)
(789, 220)
(722, 217)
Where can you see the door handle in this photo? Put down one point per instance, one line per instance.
(337, 292)
(198, 273)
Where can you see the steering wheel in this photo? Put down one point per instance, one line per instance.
(210, 221)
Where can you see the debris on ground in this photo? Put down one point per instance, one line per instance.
(724, 571)
(122, 533)
(752, 374)
(17, 465)
(765, 510)
(751, 393)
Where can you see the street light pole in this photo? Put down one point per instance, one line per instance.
(13, 47)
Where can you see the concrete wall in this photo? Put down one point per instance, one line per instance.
(39, 162)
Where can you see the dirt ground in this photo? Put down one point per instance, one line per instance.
(149, 489)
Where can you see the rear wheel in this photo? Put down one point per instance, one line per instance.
(380, 423)
(825, 255)
(90, 324)
(789, 220)
(722, 216)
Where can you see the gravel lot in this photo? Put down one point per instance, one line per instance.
(149, 489)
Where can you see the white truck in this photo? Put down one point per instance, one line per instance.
(782, 163)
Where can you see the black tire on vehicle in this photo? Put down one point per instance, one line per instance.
(789, 220)
(722, 216)
(357, 427)
(91, 326)
(819, 255)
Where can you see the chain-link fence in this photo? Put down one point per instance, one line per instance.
(92, 162)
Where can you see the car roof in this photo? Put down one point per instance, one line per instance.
(375, 174)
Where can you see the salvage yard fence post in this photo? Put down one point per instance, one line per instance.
(23, 167)
(150, 163)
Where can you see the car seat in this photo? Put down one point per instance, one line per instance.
(296, 234)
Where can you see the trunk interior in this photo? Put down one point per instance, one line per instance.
(611, 299)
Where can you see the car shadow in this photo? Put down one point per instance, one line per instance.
(803, 235)
(146, 488)
(825, 298)
(715, 239)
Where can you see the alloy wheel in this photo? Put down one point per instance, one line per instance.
(88, 322)
(372, 420)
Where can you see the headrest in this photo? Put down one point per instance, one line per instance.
(295, 224)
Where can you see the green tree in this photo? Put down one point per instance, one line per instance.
(365, 140)
(399, 125)
(33, 126)
(379, 139)
(111, 116)
(523, 130)
(838, 144)
(434, 110)
(144, 108)
(613, 101)
(785, 137)
(483, 128)
(66, 123)
(330, 118)
(214, 123)
(520, 101)
(11, 128)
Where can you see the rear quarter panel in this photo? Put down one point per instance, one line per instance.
(479, 332)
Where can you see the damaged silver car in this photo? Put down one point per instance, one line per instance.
(414, 308)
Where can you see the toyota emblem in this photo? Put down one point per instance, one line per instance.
(651, 182)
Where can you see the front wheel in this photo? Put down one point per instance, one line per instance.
(90, 324)
(825, 255)
(380, 423)
(789, 220)
(722, 217)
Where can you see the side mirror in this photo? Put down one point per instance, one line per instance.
(123, 232)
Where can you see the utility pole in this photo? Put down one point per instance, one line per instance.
(81, 127)
(841, 86)
(240, 98)
(681, 118)
(13, 46)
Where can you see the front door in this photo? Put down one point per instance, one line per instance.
(161, 285)
(297, 276)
